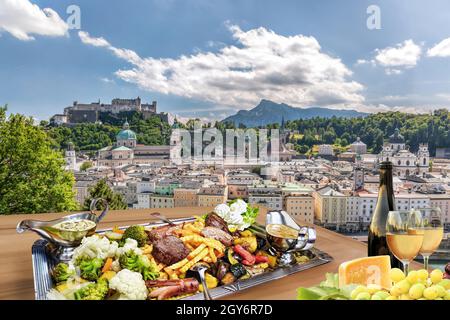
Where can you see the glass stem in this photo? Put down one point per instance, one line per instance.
(405, 267)
(425, 261)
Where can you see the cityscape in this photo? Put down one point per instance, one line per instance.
(337, 191)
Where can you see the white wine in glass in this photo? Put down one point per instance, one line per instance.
(404, 234)
(433, 232)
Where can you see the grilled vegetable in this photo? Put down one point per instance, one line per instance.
(230, 256)
(248, 258)
(211, 282)
(222, 269)
(261, 243)
(108, 275)
(228, 278)
(249, 243)
(238, 270)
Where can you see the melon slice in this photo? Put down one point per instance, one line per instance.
(365, 271)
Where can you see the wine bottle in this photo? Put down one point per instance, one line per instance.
(377, 243)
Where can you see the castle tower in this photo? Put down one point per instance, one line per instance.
(70, 157)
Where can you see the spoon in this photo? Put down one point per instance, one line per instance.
(198, 272)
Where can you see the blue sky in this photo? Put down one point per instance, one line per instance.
(210, 58)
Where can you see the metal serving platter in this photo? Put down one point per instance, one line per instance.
(43, 262)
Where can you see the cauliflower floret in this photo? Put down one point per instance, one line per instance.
(95, 247)
(115, 266)
(130, 245)
(130, 285)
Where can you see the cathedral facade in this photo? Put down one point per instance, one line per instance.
(126, 151)
(405, 162)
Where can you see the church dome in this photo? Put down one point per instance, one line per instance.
(396, 137)
(126, 133)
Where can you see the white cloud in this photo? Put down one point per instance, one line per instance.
(442, 49)
(22, 19)
(404, 55)
(96, 42)
(262, 64)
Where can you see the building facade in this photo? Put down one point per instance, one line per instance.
(405, 162)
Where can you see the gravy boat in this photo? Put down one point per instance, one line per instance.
(64, 241)
(285, 247)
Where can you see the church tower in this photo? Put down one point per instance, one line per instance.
(358, 174)
(70, 157)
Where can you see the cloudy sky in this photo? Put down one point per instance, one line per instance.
(208, 58)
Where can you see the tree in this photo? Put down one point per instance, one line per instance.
(32, 177)
(86, 165)
(102, 190)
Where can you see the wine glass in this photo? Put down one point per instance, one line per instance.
(404, 234)
(433, 232)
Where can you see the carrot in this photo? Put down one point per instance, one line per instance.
(107, 265)
(117, 230)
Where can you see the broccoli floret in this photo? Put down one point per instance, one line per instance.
(137, 233)
(90, 269)
(138, 263)
(93, 291)
(62, 272)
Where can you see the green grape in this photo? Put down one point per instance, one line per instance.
(422, 299)
(441, 290)
(405, 297)
(447, 295)
(403, 286)
(372, 288)
(391, 298)
(356, 291)
(395, 291)
(396, 275)
(416, 291)
(412, 277)
(363, 296)
(436, 275)
(430, 293)
(445, 283)
(422, 274)
(438, 299)
(383, 294)
(376, 297)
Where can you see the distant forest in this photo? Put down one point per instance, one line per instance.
(93, 136)
(433, 129)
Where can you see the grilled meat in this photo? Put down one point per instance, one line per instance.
(161, 232)
(170, 288)
(169, 250)
(217, 234)
(213, 220)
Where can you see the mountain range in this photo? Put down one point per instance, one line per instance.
(267, 112)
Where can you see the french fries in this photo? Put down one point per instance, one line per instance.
(209, 242)
(177, 265)
(212, 255)
(196, 251)
(196, 259)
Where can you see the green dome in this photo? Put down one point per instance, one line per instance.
(126, 133)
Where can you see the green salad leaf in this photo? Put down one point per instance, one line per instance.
(327, 290)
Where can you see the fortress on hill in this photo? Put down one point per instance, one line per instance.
(90, 112)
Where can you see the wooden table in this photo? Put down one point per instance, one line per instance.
(16, 277)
